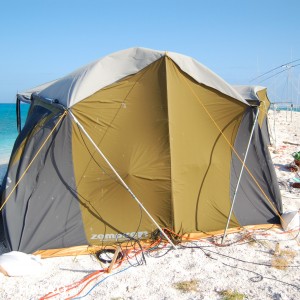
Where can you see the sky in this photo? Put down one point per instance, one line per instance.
(42, 40)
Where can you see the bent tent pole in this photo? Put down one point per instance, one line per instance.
(240, 176)
(121, 180)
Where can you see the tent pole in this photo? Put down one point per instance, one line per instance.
(18, 112)
(121, 180)
(240, 176)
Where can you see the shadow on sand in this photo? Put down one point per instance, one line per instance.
(281, 167)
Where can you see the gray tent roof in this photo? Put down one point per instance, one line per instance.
(87, 80)
(249, 92)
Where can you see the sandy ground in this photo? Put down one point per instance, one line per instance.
(248, 265)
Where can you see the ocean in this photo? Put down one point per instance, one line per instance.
(8, 131)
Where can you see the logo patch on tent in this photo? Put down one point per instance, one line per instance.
(119, 236)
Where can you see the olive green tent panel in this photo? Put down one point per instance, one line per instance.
(200, 154)
(129, 122)
(134, 132)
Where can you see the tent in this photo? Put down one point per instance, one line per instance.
(136, 140)
(257, 96)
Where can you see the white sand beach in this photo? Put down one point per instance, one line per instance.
(255, 264)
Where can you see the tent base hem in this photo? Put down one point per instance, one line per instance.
(92, 249)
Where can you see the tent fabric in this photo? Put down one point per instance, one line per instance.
(172, 139)
(259, 164)
(257, 96)
(85, 81)
(186, 136)
(26, 95)
(249, 92)
(46, 193)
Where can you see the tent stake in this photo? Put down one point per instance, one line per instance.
(118, 250)
(121, 180)
(240, 176)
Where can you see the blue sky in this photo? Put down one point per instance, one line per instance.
(238, 39)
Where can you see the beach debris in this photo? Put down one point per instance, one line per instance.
(115, 257)
(292, 167)
(284, 185)
(108, 255)
(286, 142)
(295, 185)
(231, 295)
(283, 258)
(187, 286)
(296, 156)
(297, 162)
(296, 178)
(277, 249)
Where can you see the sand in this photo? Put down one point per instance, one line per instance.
(247, 265)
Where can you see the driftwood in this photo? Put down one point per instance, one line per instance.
(285, 142)
(118, 250)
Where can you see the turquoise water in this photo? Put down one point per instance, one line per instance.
(285, 107)
(288, 108)
(8, 128)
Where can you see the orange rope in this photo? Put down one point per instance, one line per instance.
(131, 253)
(71, 286)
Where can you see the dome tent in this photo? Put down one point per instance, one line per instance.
(175, 132)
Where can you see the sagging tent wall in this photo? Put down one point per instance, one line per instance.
(170, 128)
(257, 95)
